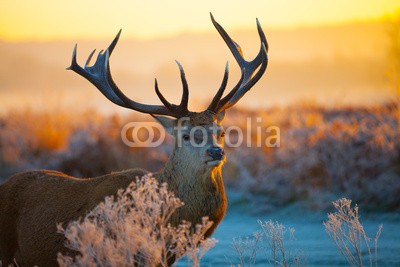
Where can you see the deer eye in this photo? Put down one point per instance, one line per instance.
(186, 137)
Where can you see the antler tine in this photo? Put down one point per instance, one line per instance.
(214, 103)
(161, 97)
(111, 47)
(89, 58)
(248, 68)
(89, 74)
(263, 39)
(244, 86)
(222, 103)
(233, 46)
(183, 106)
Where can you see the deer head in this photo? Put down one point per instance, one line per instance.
(190, 129)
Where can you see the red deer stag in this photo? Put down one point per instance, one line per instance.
(32, 203)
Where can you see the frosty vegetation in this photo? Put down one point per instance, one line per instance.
(133, 230)
(272, 243)
(345, 229)
(269, 246)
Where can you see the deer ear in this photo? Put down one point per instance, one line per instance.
(220, 116)
(167, 123)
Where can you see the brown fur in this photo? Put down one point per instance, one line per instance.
(202, 118)
(32, 203)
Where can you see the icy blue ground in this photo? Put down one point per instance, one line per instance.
(310, 237)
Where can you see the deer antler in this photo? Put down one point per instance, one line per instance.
(100, 76)
(248, 68)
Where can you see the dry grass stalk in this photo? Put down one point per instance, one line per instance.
(348, 234)
(276, 236)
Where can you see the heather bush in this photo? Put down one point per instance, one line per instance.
(133, 229)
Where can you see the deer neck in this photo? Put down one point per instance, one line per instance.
(202, 192)
(204, 181)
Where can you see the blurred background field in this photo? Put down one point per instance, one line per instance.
(331, 88)
(324, 153)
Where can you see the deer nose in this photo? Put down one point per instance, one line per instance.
(216, 153)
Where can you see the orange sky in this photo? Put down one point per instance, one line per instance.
(345, 63)
(49, 20)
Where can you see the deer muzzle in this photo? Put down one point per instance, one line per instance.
(216, 153)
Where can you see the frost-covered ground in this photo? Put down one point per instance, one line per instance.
(311, 241)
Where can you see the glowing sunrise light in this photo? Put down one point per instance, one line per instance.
(51, 20)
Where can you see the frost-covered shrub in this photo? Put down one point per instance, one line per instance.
(270, 244)
(348, 234)
(133, 229)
